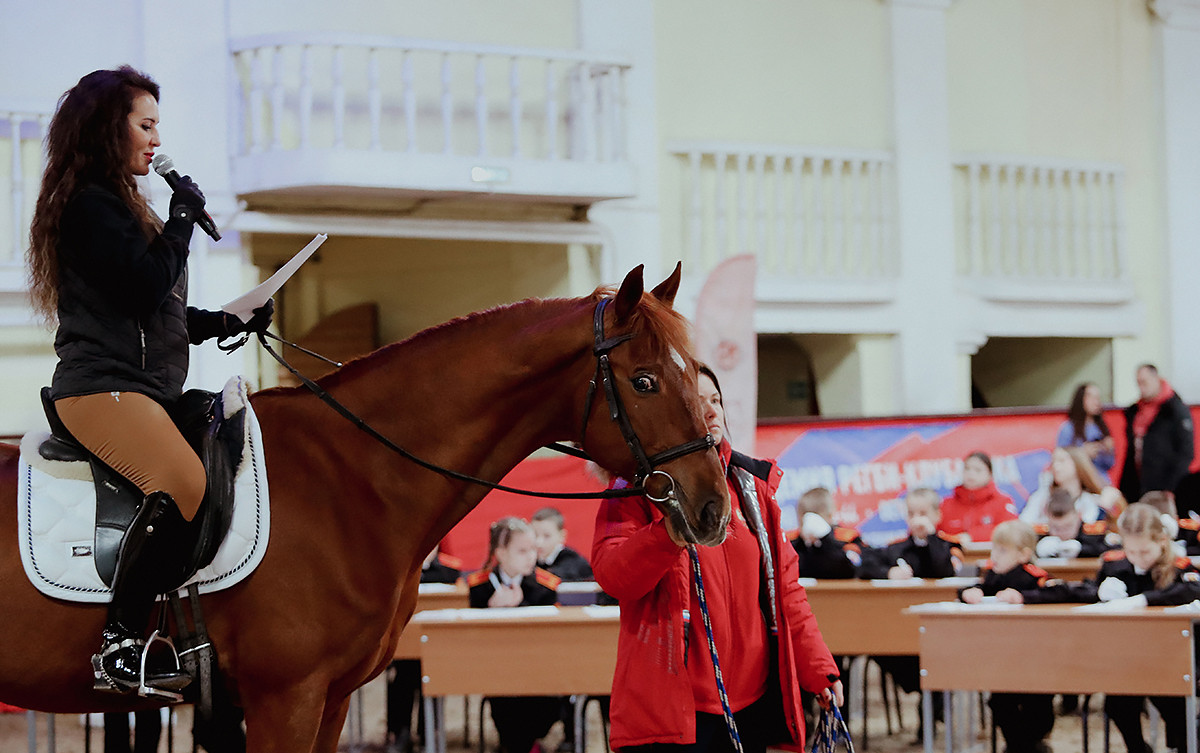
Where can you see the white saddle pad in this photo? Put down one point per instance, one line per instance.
(56, 508)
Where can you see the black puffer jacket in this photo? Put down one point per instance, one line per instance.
(1167, 450)
(122, 303)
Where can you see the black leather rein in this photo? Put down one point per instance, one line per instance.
(604, 375)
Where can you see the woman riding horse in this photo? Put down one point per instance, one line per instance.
(114, 276)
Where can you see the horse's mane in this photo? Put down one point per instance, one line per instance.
(665, 328)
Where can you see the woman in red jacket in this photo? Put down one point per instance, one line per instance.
(665, 693)
(976, 506)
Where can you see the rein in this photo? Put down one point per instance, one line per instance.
(601, 349)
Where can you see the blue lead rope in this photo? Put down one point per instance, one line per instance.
(712, 648)
(831, 730)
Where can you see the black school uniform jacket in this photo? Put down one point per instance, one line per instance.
(569, 565)
(1034, 583)
(1184, 589)
(837, 555)
(939, 556)
(444, 569)
(539, 589)
(1189, 534)
(1092, 538)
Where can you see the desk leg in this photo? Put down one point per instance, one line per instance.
(580, 705)
(948, 712)
(927, 719)
(51, 737)
(1190, 721)
(431, 730)
(31, 730)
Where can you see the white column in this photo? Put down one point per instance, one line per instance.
(929, 373)
(1180, 32)
(192, 70)
(625, 28)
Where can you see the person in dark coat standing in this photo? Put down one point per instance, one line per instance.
(1158, 438)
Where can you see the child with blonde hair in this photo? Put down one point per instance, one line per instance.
(1025, 719)
(1146, 571)
(825, 550)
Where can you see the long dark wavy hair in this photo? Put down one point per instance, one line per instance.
(88, 141)
(1078, 416)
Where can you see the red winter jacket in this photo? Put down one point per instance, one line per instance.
(976, 512)
(635, 561)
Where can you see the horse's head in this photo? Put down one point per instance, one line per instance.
(653, 429)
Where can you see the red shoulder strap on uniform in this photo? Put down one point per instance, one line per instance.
(1113, 555)
(547, 578)
(477, 577)
(1036, 572)
(845, 535)
(449, 560)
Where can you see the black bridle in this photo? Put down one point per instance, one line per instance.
(646, 465)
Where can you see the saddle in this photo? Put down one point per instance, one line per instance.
(216, 438)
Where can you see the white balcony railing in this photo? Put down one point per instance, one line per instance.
(22, 132)
(1039, 222)
(427, 115)
(808, 215)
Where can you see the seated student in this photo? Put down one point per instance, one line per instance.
(1025, 719)
(1146, 571)
(511, 578)
(402, 688)
(925, 553)
(1183, 530)
(1065, 534)
(553, 553)
(1071, 469)
(976, 505)
(825, 550)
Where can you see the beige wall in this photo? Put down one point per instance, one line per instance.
(533, 23)
(418, 284)
(1019, 371)
(1072, 79)
(854, 374)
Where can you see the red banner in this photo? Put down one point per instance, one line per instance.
(868, 464)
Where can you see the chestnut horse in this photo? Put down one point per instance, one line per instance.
(351, 521)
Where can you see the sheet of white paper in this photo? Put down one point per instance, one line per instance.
(243, 306)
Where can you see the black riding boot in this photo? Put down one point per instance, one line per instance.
(148, 563)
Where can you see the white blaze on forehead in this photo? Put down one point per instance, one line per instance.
(678, 359)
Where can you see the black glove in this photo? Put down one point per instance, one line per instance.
(187, 202)
(204, 325)
(258, 323)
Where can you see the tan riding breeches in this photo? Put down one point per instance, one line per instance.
(134, 435)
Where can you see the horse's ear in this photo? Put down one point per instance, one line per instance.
(630, 293)
(667, 289)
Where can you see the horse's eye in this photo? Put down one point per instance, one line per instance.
(644, 383)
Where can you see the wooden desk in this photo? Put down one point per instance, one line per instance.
(1072, 571)
(1150, 637)
(520, 651)
(976, 552)
(430, 596)
(867, 617)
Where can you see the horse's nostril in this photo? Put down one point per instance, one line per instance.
(710, 516)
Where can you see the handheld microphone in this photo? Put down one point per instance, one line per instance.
(165, 166)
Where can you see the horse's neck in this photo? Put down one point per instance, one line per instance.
(477, 395)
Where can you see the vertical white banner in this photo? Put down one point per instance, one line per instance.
(727, 342)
